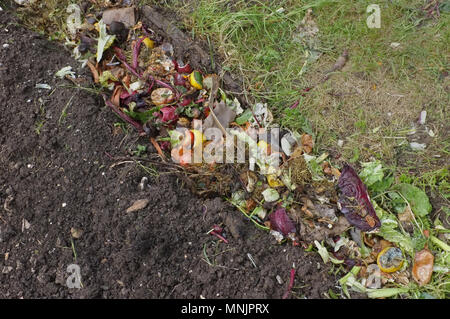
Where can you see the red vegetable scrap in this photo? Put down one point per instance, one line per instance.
(282, 224)
(168, 114)
(291, 284)
(136, 49)
(181, 67)
(217, 231)
(354, 201)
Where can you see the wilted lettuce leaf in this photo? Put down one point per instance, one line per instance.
(270, 195)
(417, 199)
(354, 201)
(371, 173)
(105, 77)
(323, 252)
(142, 117)
(389, 230)
(104, 40)
(280, 222)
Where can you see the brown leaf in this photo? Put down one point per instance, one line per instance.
(94, 71)
(326, 168)
(336, 173)
(115, 98)
(423, 267)
(406, 219)
(125, 15)
(126, 80)
(138, 205)
(307, 143)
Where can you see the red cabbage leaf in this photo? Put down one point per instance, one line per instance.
(354, 201)
(280, 222)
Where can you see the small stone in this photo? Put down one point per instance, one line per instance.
(125, 15)
(25, 225)
(143, 184)
(6, 45)
(7, 269)
(138, 205)
(76, 233)
(422, 117)
(395, 45)
(417, 146)
(280, 281)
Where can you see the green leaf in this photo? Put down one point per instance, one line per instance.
(417, 199)
(371, 173)
(270, 195)
(382, 185)
(105, 77)
(388, 230)
(142, 117)
(314, 167)
(385, 292)
(245, 117)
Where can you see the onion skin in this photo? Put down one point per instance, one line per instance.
(423, 267)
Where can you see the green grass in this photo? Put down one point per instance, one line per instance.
(382, 89)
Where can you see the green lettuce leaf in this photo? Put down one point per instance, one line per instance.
(389, 230)
(417, 199)
(371, 173)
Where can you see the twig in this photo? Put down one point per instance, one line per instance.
(158, 149)
(212, 96)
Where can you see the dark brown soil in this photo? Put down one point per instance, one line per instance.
(55, 175)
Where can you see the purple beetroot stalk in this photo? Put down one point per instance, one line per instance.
(136, 50)
(291, 284)
(123, 116)
(123, 59)
(166, 85)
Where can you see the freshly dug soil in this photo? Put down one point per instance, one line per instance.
(56, 151)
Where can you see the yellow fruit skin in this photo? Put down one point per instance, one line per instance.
(263, 146)
(193, 82)
(199, 138)
(273, 181)
(149, 43)
(387, 270)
